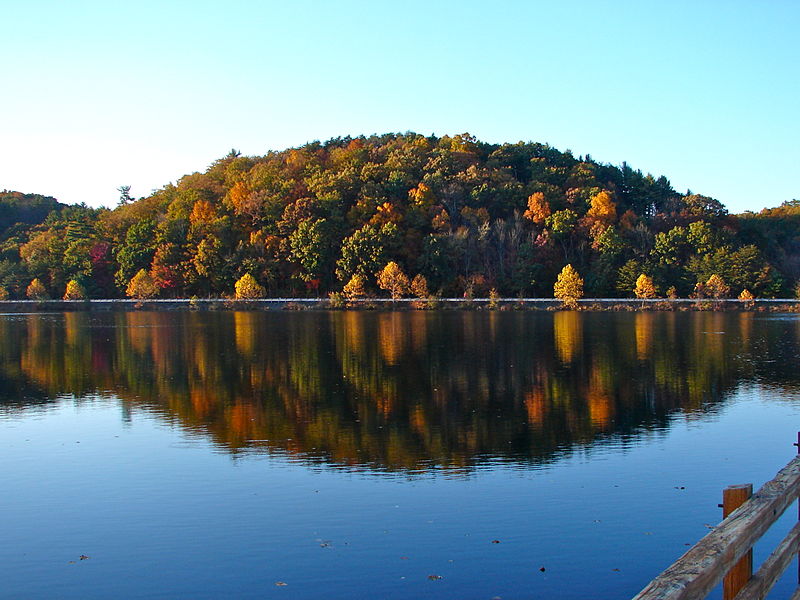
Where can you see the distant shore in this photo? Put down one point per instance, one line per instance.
(503, 304)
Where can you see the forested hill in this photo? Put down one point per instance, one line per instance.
(466, 215)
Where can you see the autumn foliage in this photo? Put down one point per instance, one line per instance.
(247, 288)
(644, 289)
(716, 287)
(36, 290)
(354, 289)
(142, 286)
(393, 280)
(419, 287)
(568, 287)
(74, 291)
(464, 215)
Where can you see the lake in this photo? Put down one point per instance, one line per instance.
(358, 454)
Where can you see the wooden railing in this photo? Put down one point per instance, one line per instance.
(726, 552)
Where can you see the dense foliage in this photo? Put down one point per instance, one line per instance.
(467, 216)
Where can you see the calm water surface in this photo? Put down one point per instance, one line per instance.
(303, 455)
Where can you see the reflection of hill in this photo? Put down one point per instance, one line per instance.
(403, 390)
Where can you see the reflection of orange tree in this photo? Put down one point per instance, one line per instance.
(391, 390)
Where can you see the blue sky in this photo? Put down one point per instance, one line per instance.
(102, 94)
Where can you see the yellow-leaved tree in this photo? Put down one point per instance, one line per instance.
(569, 287)
(421, 196)
(644, 289)
(747, 299)
(419, 287)
(36, 290)
(142, 286)
(494, 299)
(716, 287)
(74, 291)
(602, 208)
(392, 279)
(247, 288)
(354, 288)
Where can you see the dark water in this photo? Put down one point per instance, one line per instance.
(379, 455)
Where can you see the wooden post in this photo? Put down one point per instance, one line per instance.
(732, 498)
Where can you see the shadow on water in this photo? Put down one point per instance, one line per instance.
(399, 391)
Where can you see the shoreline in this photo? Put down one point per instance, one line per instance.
(405, 304)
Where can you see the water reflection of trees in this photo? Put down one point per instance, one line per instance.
(396, 390)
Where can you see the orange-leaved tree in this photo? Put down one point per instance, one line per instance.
(538, 208)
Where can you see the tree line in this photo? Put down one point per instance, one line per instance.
(398, 214)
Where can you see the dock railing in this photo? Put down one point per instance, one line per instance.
(726, 552)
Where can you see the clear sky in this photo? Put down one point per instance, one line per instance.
(98, 94)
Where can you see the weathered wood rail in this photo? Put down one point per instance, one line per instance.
(724, 553)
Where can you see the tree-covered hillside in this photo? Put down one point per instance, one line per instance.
(466, 216)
